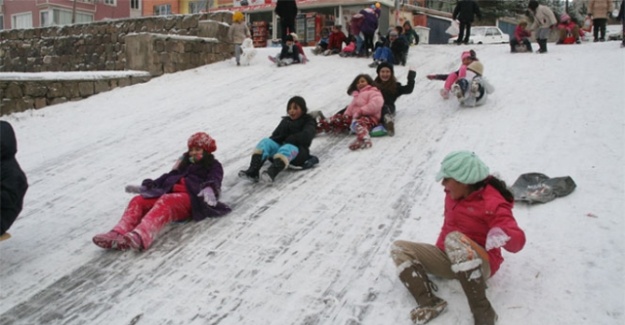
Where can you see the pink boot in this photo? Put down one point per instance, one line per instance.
(131, 240)
(108, 240)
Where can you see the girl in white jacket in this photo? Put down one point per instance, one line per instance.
(473, 89)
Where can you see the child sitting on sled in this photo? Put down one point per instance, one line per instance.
(190, 190)
(521, 38)
(473, 89)
(288, 144)
(467, 58)
(361, 115)
(391, 90)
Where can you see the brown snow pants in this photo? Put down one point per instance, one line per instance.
(434, 260)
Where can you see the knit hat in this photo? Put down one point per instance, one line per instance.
(237, 16)
(202, 140)
(565, 17)
(384, 64)
(295, 37)
(299, 101)
(393, 33)
(468, 54)
(477, 67)
(464, 167)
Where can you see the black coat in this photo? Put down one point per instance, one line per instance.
(299, 133)
(14, 183)
(390, 98)
(465, 11)
(287, 10)
(290, 52)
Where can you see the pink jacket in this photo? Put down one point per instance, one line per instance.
(520, 33)
(366, 102)
(475, 215)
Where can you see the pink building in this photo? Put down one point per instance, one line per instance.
(42, 13)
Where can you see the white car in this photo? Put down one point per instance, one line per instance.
(485, 35)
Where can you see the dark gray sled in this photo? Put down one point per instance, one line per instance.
(537, 187)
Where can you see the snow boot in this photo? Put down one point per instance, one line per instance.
(108, 240)
(416, 280)
(252, 172)
(474, 286)
(542, 46)
(134, 241)
(363, 140)
(389, 125)
(276, 167)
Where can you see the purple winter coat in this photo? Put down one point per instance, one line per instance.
(370, 23)
(196, 178)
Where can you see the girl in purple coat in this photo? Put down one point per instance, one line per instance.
(190, 191)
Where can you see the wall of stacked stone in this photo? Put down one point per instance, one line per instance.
(89, 47)
(19, 95)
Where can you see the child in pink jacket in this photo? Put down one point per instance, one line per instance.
(362, 114)
(467, 58)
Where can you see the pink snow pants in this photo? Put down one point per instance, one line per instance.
(452, 77)
(147, 217)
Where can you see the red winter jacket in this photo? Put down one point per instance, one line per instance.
(520, 33)
(475, 215)
(336, 40)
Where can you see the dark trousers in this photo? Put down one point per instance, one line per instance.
(515, 42)
(464, 32)
(598, 28)
(286, 28)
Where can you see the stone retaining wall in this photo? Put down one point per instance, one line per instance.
(18, 94)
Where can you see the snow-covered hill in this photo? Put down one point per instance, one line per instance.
(314, 248)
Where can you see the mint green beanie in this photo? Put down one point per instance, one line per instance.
(463, 166)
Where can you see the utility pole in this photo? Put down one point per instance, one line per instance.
(74, 12)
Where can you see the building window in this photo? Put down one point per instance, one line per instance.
(196, 6)
(44, 19)
(64, 17)
(110, 2)
(162, 10)
(134, 4)
(1, 22)
(24, 20)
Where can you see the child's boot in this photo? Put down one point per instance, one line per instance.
(276, 167)
(108, 240)
(416, 280)
(363, 140)
(389, 124)
(255, 164)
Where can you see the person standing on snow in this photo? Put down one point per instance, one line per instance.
(544, 20)
(599, 10)
(478, 222)
(237, 32)
(465, 12)
(190, 191)
(287, 11)
(14, 183)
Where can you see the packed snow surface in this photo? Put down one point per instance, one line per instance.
(314, 247)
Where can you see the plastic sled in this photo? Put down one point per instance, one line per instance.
(310, 163)
(378, 131)
(5, 236)
(521, 48)
(537, 187)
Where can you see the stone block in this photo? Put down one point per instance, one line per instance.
(86, 88)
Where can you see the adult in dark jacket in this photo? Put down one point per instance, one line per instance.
(368, 27)
(288, 144)
(189, 191)
(14, 183)
(287, 11)
(391, 90)
(465, 12)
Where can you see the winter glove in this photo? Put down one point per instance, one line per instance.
(136, 189)
(208, 195)
(496, 238)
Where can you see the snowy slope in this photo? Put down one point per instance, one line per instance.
(313, 248)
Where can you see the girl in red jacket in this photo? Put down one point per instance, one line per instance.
(478, 223)
(361, 115)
